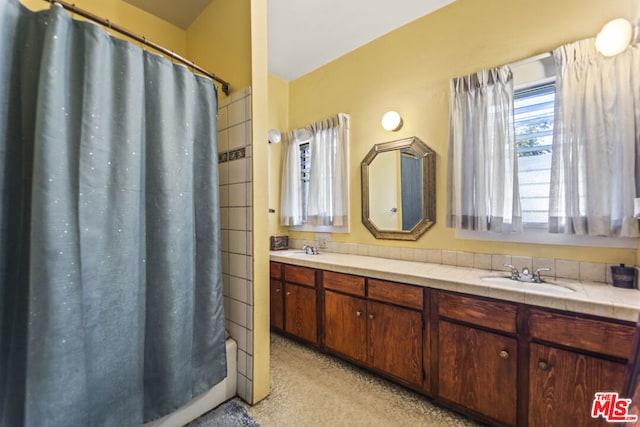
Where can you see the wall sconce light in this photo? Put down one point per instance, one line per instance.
(274, 136)
(391, 121)
(614, 37)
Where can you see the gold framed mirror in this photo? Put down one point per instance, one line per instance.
(399, 189)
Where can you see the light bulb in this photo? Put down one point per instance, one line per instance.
(391, 121)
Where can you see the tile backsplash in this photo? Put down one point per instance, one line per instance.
(560, 268)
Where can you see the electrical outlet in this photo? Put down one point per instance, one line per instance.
(322, 239)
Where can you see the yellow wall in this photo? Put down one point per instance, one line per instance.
(259, 111)
(278, 119)
(409, 70)
(136, 20)
(220, 41)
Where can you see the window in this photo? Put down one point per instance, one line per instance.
(305, 174)
(533, 121)
(315, 179)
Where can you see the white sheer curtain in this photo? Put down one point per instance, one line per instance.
(328, 181)
(291, 190)
(594, 171)
(327, 203)
(483, 192)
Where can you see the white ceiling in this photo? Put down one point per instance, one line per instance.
(304, 35)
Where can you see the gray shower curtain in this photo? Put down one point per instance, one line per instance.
(111, 306)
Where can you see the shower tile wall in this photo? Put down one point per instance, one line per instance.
(234, 158)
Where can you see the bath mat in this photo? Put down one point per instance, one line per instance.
(229, 414)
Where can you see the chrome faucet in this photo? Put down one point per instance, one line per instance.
(526, 276)
(310, 250)
(514, 271)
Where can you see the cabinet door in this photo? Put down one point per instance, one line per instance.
(395, 341)
(477, 369)
(276, 310)
(300, 312)
(345, 327)
(563, 385)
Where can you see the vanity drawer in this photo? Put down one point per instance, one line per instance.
(346, 283)
(275, 270)
(301, 275)
(395, 293)
(598, 336)
(490, 314)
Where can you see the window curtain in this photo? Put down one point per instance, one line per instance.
(291, 205)
(595, 169)
(111, 308)
(328, 181)
(482, 174)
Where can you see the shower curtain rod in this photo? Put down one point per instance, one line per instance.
(106, 23)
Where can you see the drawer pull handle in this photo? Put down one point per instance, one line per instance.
(504, 354)
(371, 316)
(544, 366)
(358, 313)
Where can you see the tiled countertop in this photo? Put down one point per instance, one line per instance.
(589, 297)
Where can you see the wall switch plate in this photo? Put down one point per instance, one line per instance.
(322, 239)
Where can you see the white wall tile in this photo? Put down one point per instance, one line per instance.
(593, 271)
(224, 256)
(449, 257)
(482, 261)
(239, 334)
(237, 136)
(498, 262)
(242, 362)
(464, 259)
(567, 269)
(249, 219)
(223, 141)
(249, 194)
(224, 218)
(238, 218)
(236, 113)
(226, 285)
(363, 249)
(237, 171)
(250, 317)
(223, 173)
(223, 123)
(224, 196)
(237, 242)
(238, 265)
(242, 388)
(406, 254)
(434, 256)
(238, 288)
(545, 263)
(421, 255)
(224, 240)
(238, 195)
(238, 312)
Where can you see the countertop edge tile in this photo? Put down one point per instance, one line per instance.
(589, 298)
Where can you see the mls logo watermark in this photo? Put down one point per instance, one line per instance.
(612, 408)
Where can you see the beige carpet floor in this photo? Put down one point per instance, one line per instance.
(309, 388)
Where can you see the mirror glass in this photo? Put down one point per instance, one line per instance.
(398, 189)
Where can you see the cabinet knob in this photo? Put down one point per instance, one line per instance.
(278, 291)
(371, 316)
(504, 354)
(544, 366)
(358, 313)
(288, 293)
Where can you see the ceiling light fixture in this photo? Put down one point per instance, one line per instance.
(614, 37)
(391, 121)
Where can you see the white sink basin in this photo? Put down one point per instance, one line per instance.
(544, 287)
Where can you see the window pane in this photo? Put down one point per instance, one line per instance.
(533, 121)
(305, 169)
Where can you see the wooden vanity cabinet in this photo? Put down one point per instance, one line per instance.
(276, 296)
(477, 356)
(381, 327)
(294, 301)
(300, 303)
(572, 358)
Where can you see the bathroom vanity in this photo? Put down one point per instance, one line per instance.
(503, 354)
